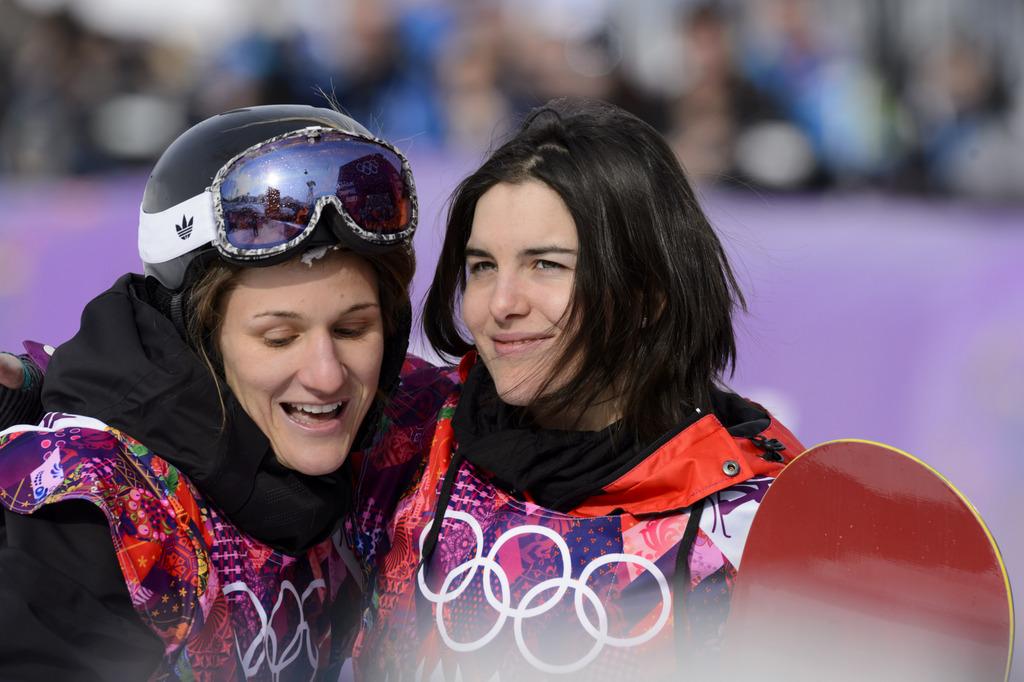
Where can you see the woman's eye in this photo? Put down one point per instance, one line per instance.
(549, 265)
(277, 341)
(479, 266)
(349, 332)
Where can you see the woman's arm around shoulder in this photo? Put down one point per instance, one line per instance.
(20, 390)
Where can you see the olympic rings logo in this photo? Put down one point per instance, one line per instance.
(264, 646)
(368, 167)
(526, 609)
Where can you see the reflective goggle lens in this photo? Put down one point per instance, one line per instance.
(269, 196)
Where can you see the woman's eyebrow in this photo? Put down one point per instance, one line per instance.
(541, 250)
(477, 253)
(531, 251)
(292, 315)
(356, 307)
(287, 314)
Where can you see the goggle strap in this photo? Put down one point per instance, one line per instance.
(178, 230)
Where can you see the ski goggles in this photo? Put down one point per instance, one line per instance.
(267, 200)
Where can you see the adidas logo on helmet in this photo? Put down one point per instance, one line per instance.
(184, 230)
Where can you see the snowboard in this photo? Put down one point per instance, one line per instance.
(864, 563)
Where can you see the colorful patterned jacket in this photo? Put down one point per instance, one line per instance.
(516, 591)
(225, 606)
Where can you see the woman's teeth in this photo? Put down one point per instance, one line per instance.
(318, 409)
(313, 412)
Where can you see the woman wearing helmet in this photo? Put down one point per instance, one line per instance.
(175, 514)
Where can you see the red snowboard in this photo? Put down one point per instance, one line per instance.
(863, 563)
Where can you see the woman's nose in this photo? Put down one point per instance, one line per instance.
(323, 367)
(508, 298)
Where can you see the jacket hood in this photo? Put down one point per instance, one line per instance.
(739, 441)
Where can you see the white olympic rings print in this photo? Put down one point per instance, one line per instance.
(525, 609)
(265, 647)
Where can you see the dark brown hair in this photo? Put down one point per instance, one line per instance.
(653, 295)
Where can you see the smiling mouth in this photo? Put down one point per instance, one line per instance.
(511, 347)
(308, 414)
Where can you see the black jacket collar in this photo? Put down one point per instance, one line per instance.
(560, 469)
(128, 367)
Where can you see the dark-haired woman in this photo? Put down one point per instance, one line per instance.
(583, 509)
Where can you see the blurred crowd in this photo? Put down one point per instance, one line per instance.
(919, 96)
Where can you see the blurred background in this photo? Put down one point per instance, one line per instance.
(916, 97)
(863, 161)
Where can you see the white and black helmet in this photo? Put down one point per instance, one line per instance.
(215, 185)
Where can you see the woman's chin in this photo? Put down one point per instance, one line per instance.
(315, 461)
